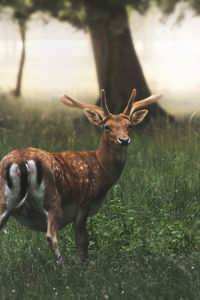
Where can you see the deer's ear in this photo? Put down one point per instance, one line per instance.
(94, 117)
(138, 116)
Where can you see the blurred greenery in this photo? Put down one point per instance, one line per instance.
(169, 6)
(107, 23)
(145, 240)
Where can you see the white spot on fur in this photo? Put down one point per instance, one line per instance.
(81, 167)
(87, 180)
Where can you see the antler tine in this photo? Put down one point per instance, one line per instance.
(103, 103)
(144, 102)
(130, 101)
(69, 101)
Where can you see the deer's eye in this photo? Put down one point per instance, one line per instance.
(129, 126)
(107, 127)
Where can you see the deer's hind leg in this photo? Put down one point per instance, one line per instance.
(4, 215)
(53, 224)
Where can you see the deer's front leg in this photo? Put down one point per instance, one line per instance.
(81, 235)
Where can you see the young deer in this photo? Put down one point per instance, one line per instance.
(46, 191)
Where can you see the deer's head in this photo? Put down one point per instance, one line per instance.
(116, 127)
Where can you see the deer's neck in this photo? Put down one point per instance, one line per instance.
(112, 159)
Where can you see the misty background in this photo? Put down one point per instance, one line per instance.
(59, 58)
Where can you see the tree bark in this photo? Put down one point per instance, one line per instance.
(22, 27)
(117, 64)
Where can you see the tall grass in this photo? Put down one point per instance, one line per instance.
(145, 240)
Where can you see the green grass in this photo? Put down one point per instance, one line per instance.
(145, 240)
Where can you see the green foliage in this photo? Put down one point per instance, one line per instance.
(82, 14)
(168, 6)
(195, 4)
(21, 10)
(144, 242)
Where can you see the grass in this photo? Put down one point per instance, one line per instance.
(145, 240)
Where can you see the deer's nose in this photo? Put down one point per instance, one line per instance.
(124, 141)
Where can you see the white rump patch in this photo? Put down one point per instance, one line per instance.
(36, 191)
(12, 195)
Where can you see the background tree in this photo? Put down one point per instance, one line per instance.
(21, 12)
(117, 64)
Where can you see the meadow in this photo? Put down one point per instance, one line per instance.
(145, 240)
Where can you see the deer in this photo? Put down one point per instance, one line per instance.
(46, 191)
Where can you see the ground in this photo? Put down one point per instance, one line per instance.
(145, 240)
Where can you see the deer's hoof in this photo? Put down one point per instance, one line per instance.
(59, 261)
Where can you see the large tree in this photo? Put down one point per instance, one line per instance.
(117, 64)
(21, 13)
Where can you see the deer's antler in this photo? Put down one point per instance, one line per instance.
(144, 102)
(130, 103)
(103, 110)
(103, 103)
(132, 106)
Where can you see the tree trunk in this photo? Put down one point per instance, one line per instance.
(22, 27)
(117, 64)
